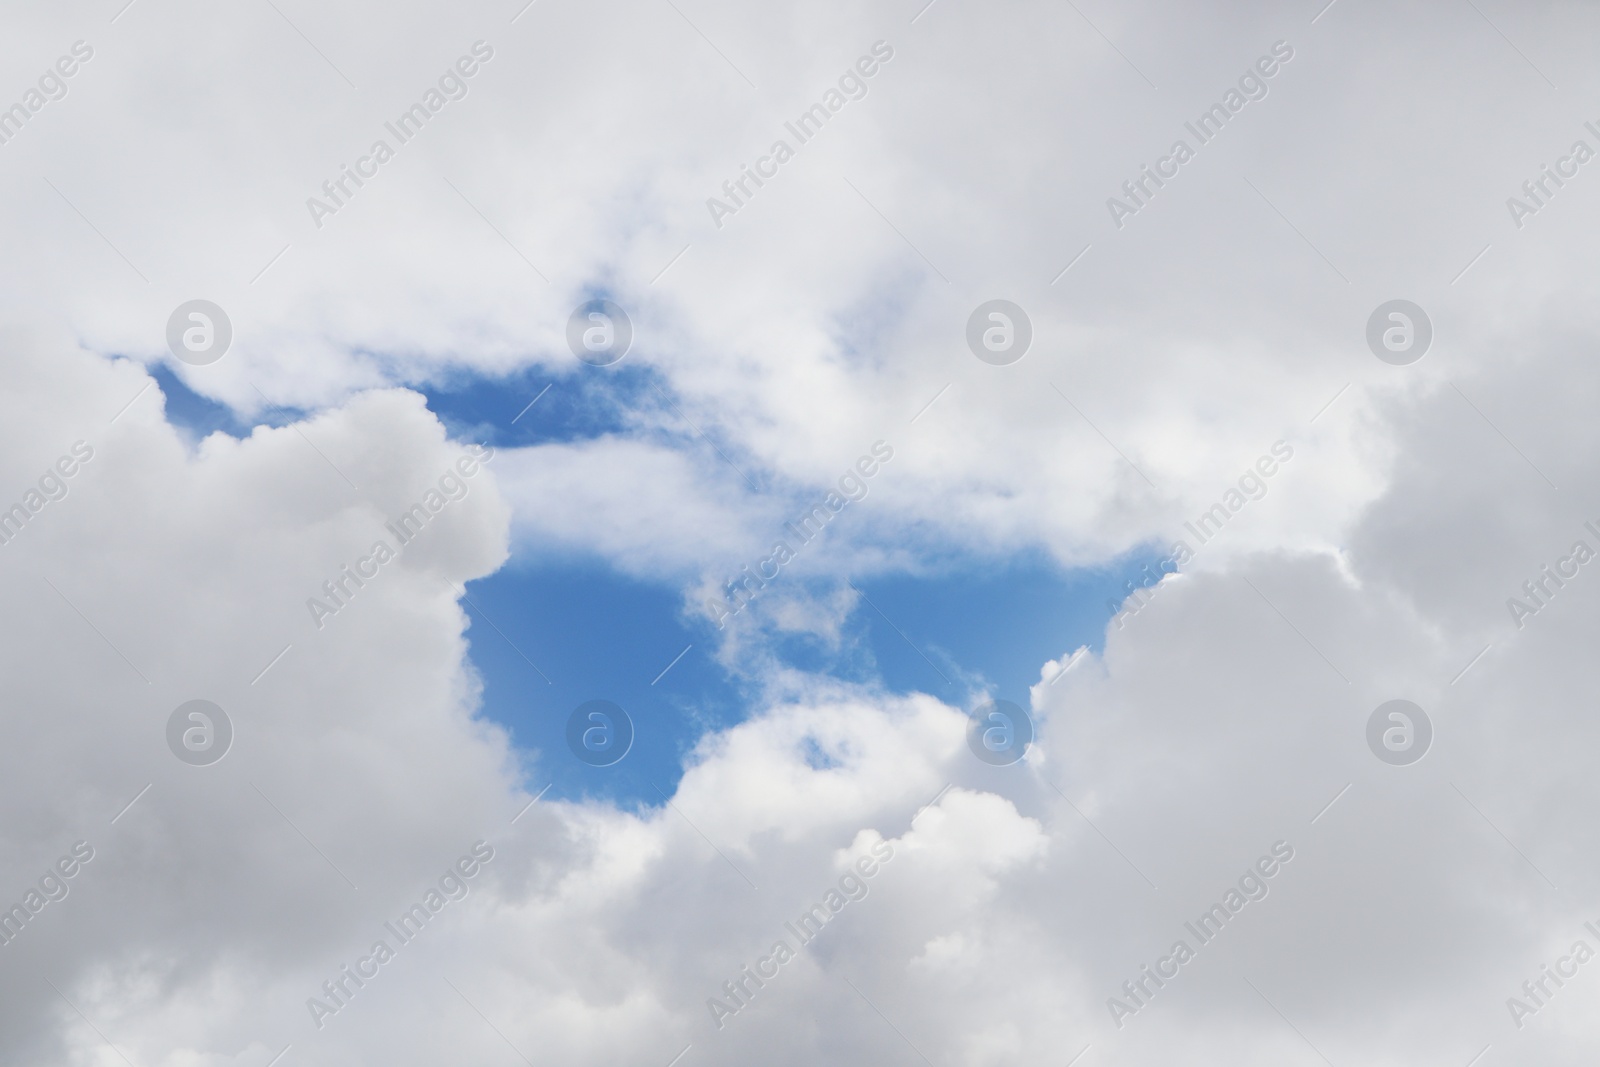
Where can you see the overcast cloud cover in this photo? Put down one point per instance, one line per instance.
(1410, 522)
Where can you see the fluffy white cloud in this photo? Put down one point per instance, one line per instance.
(1008, 911)
(1220, 719)
(841, 336)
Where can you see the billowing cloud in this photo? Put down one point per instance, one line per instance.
(1417, 538)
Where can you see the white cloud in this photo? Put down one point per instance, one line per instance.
(1219, 720)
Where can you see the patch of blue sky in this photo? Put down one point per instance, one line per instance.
(596, 634)
(199, 416)
(548, 638)
(534, 406)
(531, 406)
(988, 625)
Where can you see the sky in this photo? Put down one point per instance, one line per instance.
(685, 533)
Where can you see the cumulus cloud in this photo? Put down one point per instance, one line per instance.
(1011, 911)
(1220, 721)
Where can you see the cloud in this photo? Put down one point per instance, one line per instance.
(1225, 717)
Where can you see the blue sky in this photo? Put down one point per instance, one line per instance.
(548, 635)
(597, 634)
